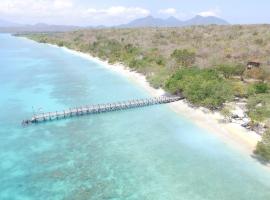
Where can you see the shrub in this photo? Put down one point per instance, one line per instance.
(259, 107)
(261, 88)
(160, 61)
(226, 112)
(158, 79)
(263, 147)
(130, 49)
(60, 43)
(240, 89)
(257, 73)
(184, 57)
(228, 70)
(259, 41)
(201, 87)
(42, 40)
(258, 88)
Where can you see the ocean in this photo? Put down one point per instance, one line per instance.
(145, 153)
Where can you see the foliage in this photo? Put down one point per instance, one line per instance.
(257, 73)
(263, 147)
(226, 112)
(259, 107)
(240, 89)
(214, 45)
(184, 57)
(149, 51)
(60, 43)
(261, 88)
(159, 78)
(200, 86)
(258, 88)
(228, 70)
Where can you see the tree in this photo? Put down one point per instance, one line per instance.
(257, 73)
(240, 89)
(263, 147)
(228, 70)
(184, 57)
(259, 107)
(261, 88)
(202, 87)
(258, 88)
(60, 43)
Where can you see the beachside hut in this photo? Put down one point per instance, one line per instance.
(253, 64)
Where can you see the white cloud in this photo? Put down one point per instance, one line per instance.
(168, 11)
(67, 12)
(117, 11)
(213, 12)
(34, 8)
(172, 12)
(62, 4)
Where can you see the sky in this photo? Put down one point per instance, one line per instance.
(114, 12)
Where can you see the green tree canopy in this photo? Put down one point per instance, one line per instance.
(228, 70)
(259, 107)
(202, 87)
(263, 147)
(184, 57)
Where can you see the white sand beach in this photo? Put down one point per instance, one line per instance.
(231, 133)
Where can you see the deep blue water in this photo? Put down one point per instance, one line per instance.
(146, 153)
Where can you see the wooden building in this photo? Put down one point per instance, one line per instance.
(253, 64)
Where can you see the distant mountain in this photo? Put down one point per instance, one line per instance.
(150, 21)
(172, 21)
(199, 20)
(4, 23)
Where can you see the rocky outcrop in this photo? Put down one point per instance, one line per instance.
(238, 115)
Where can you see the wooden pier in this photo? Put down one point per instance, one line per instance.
(99, 108)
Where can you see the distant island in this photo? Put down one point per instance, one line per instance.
(223, 68)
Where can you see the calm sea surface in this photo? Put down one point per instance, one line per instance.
(148, 153)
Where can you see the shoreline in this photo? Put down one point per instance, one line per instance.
(231, 133)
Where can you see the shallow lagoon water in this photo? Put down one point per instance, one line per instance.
(146, 153)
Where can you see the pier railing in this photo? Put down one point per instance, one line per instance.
(99, 108)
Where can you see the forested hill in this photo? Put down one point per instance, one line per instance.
(159, 53)
(212, 45)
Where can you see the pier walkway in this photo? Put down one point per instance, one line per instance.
(99, 108)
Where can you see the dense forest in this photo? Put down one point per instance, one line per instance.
(206, 64)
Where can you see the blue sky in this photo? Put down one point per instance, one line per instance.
(107, 12)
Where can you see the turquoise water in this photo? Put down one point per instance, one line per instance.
(146, 153)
